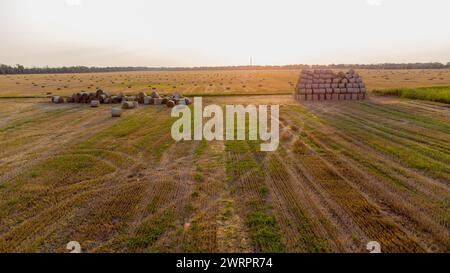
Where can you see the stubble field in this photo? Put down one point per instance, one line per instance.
(226, 82)
(345, 173)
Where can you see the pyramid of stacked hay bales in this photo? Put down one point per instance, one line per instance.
(324, 84)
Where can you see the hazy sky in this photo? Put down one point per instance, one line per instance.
(222, 32)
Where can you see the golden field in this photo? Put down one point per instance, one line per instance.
(345, 173)
(226, 82)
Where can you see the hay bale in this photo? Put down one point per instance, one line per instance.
(164, 100)
(102, 98)
(98, 93)
(129, 98)
(57, 99)
(116, 112)
(187, 101)
(116, 99)
(75, 97)
(95, 103)
(157, 101)
(177, 95)
(170, 103)
(83, 97)
(128, 104)
(141, 96)
(148, 100)
(155, 95)
(92, 96)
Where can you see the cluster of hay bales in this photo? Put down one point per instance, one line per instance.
(126, 101)
(86, 97)
(169, 101)
(324, 84)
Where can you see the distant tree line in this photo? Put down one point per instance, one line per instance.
(20, 69)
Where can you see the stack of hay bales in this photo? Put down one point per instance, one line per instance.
(126, 101)
(324, 84)
(87, 97)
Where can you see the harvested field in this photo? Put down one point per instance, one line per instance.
(70, 172)
(227, 82)
(345, 173)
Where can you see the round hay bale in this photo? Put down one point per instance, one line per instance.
(177, 95)
(157, 101)
(92, 96)
(155, 95)
(130, 98)
(76, 97)
(83, 97)
(135, 104)
(95, 103)
(164, 100)
(98, 93)
(102, 98)
(141, 96)
(116, 112)
(127, 104)
(170, 103)
(57, 99)
(148, 100)
(115, 99)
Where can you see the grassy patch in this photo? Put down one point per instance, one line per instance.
(265, 231)
(149, 232)
(67, 169)
(437, 94)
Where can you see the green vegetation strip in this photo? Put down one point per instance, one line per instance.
(437, 94)
(263, 227)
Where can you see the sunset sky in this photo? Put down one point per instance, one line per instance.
(225, 32)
